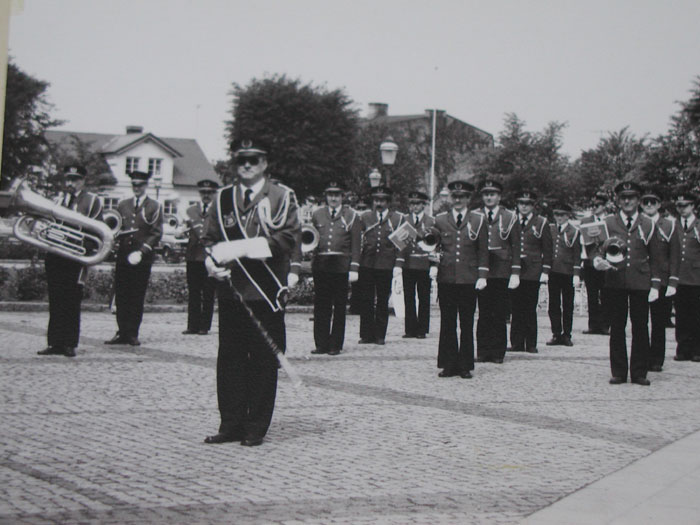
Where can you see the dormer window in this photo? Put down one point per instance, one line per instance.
(132, 164)
(154, 166)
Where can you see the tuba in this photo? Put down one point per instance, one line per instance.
(113, 220)
(55, 229)
(309, 238)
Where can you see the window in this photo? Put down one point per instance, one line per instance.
(154, 166)
(170, 207)
(110, 203)
(132, 164)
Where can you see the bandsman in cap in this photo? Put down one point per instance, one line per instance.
(250, 234)
(503, 231)
(336, 262)
(565, 275)
(630, 285)
(200, 287)
(415, 265)
(535, 264)
(142, 229)
(65, 277)
(462, 240)
(660, 310)
(377, 266)
(598, 320)
(685, 278)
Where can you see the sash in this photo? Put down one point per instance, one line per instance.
(256, 271)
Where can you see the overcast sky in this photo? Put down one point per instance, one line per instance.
(168, 65)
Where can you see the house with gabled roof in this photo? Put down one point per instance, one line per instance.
(176, 165)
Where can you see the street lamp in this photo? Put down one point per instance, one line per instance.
(388, 149)
(157, 181)
(375, 178)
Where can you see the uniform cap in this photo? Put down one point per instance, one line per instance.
(334, 187)
(74, 170)
(526, 195)
(460, 187)
(248, 147)
(139, 177)
(686, 197)
(382, 191)
(561, 207)
(207, 185)
(490, 185)
(417, 196)
(628, 187)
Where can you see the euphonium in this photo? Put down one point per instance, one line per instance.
(309, 238)
(55, 229)
(113, 220)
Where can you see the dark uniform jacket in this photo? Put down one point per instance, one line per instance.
(378, 252)
(685, 269)
(667, 229)
(566, 250)
(272, 214)
(641, 268)
(503, 242)
(141, 229)
(338, 249)
(464, 253)
(85, 203)
(535, 248)
(195, 224)
(414, 257)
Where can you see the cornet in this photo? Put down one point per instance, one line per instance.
(309, 238)
(55, 229)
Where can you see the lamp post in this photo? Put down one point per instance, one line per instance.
(375, 178)
(157, 181)
(388, 149)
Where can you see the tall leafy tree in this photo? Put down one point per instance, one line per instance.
(83, 153)
(27, 116)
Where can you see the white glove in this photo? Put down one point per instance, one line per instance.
(577, 281)
(226, 252)
(134, 258)
(217, 272)
(353, 277)
(398, 272)
(480, 283)
(670, 291)
(544, 278)
(653, 295)
(601, 264)
(292, 280)
(433, 272)
(513, 282)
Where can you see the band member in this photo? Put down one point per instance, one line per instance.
(377, 265)
(336, 262)
(598, 320)
(415, 268)
(463, 243)
(142, 228)
(687, 282)
(504, 273)
(65, 277)
(252, 230)
(565, 275)
(630, 284)
(200, 287)
(660, 310)
(535, 264)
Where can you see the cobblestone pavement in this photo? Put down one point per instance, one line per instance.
(115, 435)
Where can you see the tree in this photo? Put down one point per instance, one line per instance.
(27, 116)
(83, 153)
(312, 131)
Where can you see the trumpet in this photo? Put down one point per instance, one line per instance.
(614, 249)
(58, 230)
(309, 238)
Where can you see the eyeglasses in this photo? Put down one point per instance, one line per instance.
(242, 161)
(649, 202)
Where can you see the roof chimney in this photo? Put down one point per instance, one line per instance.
(134, 129)
(377, 109)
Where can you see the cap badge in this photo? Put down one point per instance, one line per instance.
(247, 143)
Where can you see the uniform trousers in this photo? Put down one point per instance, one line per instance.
(330, 305)
(561, 303)
(246, 368)
(416, 280)
(65, 296)
(130, 283)
(375, 289)
(456, 299)
(523, 323)
(620, 301)
(491, 329)
(687, 303)
(598, 320)
(658, 313)
(200, 297)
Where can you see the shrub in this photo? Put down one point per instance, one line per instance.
(31, 283)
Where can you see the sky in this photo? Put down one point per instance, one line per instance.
(168, 65)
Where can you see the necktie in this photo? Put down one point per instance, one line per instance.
(204, 210)
(490, 216)
(136, 206)
(523, 222)
(459, 220)
(69, 200)
(246, 199)
(415, 220)
(629, 222)
(685, 225)
(381, 216)
(333, 214)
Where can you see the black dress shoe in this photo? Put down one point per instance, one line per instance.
(252, 442)
(655, 368)
(365, 342)
(189, 332)
(420, 336)
(680, 358)
(617, 380)
(566, 341)
(69, 351)
(334, 352)
(554, 341)
(497, 360)
(589, 332)
(447, 373)
(318, 351)
(406, 336)
(133, 341)
(379, 342)
(641, 381)
(221, 438)
(532, 350)
(515, 349)
(116, 340)
(466, 374)
(203, 332)
(51, 350)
